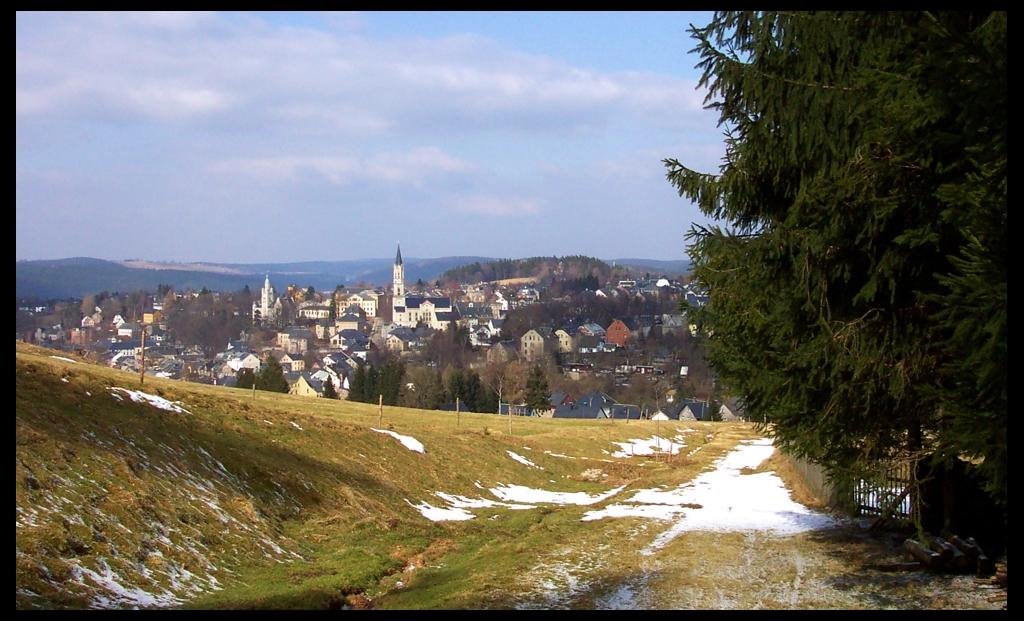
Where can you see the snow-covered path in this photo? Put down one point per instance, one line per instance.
(730, 538)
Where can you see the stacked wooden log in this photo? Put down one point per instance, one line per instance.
(957, 555)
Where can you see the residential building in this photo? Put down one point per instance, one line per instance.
(566, 342)
(618, 332)
(537, 342)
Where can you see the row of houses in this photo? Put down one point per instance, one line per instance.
(600, 405)
(592, 338)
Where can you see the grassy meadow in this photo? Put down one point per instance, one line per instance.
(273, 500)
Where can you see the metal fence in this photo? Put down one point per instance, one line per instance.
(892, 494)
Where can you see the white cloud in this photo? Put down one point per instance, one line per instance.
(413, 166)
(493, 205)
(170, 65)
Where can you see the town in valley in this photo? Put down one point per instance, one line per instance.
(621, 348)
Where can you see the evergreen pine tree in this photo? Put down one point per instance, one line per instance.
(357, 389)
(434, 393)
(329, 391)
(373, 387)
(245, 378)
(858, 289)
(271, 377)
(538, 395)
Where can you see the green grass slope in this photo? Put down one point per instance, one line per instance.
(277, 501)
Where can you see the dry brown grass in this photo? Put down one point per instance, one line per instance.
(798, 488)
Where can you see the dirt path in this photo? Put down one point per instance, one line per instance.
(707, 558)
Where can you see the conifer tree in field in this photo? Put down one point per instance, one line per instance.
(329, 391)
(390, 381)
(271, 377)
(357, 389)
(434, 392)
(245, 378)
(538, 395)
(858, 278)
(372, 388)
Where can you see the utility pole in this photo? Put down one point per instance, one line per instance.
(142, 373)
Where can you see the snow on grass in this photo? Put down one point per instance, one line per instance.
(654, 444)
(652, 512)
(724, 500)
(522, 460)
(440, 514)
(462, 502)
(296, 425)
(408, 442)
(62, 358)
(64, 379)
(520, 493)
(559, 455)
(121, 595)
(268, 422)
(143, 397)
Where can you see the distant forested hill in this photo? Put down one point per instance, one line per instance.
(80, 276)
(656, 267)
(570, 267)
(532, 267)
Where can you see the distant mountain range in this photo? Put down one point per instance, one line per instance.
(79, 276)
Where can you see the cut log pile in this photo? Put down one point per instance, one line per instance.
(960, 556)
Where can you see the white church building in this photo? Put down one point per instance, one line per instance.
(414, 310)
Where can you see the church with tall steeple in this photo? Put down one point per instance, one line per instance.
(266, 309)
(415, 310)
(398, 276)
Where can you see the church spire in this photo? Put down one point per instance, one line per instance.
(398, 279)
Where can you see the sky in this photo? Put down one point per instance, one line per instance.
(278, 137)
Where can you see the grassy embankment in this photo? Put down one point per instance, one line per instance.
(280, 501)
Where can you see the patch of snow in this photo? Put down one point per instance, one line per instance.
(62, 358)
(520, 493)
(296, 425)
(654, 512)
(522, 460)
(462, 502)
(110, 581)
(559, 455)
(153, 400)
(654, 444)
(268, 422)
(731, 501)
(88, 394)
(408, 442)
(439, 514)
(64, 379)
